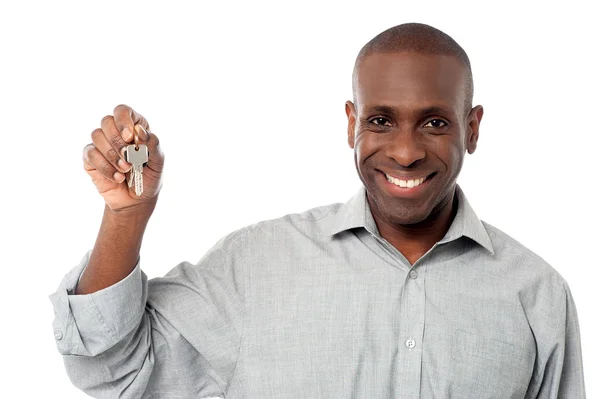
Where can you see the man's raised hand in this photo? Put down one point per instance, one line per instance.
(104, 160)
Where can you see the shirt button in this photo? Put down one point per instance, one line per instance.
(410, 343)
(58, 335)
(413, 274)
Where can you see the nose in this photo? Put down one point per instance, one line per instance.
(405, 148)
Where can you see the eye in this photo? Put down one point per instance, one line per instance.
(380, 121)
(436, 123)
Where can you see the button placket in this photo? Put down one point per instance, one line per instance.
(412, 318)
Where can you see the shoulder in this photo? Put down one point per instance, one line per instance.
(291, 226)
(526, 269)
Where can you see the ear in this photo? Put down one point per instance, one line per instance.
(351, 114)
(473, 121)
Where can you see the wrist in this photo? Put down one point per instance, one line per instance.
(135, 213)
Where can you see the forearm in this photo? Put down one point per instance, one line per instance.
(116, 250)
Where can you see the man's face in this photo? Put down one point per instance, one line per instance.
(409, 122)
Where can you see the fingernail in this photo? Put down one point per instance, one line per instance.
(127, 135)
(124, 165)
(141, 132)
(119, 177)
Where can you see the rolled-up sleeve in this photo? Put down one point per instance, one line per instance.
(86, 325)
(172, 336)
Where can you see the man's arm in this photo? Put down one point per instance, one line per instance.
(138, 337)
(571, 373)
(124, 336)
(560, 375)
(116, 250)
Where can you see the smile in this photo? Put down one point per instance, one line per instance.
(405, 183)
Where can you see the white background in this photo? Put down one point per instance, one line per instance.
(248, 101)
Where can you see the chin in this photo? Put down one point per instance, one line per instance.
(399, 211)
(406, 217)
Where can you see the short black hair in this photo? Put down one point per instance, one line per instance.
(418, 38)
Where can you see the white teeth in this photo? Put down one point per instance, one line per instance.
(405, 183)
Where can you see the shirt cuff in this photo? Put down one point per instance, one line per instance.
(87, 325)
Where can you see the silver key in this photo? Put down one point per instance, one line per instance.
(137, 158)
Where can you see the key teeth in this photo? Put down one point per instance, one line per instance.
(139, 186)
(138, 159)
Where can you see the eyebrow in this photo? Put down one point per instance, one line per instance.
(385, 109)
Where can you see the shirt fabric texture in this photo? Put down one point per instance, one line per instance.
(318, 305)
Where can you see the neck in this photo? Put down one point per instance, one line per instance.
(414, 240)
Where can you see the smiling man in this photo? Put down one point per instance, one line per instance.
(401, 292)
(410, 125)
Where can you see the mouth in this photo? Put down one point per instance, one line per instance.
(406, 187)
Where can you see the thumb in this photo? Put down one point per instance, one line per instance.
(156, 158)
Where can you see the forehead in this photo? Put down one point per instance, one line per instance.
(410, 80)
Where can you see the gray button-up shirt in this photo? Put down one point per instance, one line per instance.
(318, 305)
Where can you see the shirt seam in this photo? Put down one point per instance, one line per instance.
(314, 219)
(103, 319)
(237, 238)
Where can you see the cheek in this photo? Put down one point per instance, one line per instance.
(365, 145)
(452, 154)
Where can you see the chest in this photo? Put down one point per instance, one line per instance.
(331, 328)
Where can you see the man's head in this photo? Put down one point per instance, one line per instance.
(411, 117)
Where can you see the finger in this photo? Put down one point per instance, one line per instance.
(102, 183)
(141, 132)
(93, 160)
(105, 147)
(112, 134)
(126, 118)
(156, 159)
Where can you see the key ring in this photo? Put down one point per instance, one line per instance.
(135, 138)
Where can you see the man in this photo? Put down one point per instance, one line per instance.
(399, 292)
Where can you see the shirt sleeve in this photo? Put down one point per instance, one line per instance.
(561, 374)
(172, 336)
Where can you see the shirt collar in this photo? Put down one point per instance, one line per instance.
(357, 213)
